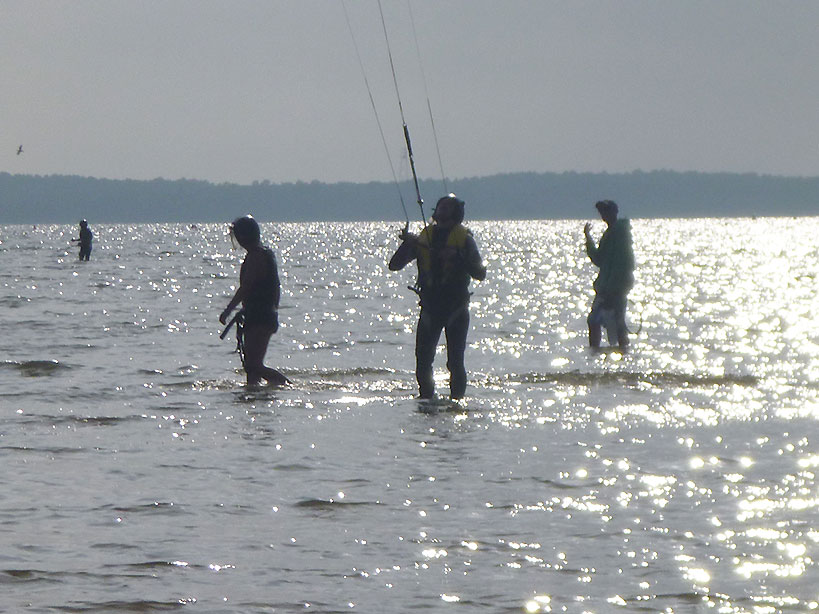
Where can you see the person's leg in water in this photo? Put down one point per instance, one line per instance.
(427, 335)
(595, 335)
(256, 339)
(620, 317)
(594, 323)
(456, 331)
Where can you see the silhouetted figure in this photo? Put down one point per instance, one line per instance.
(85, 240)
(259, 292)
(447, 258)
(615, 258)
(19, 150)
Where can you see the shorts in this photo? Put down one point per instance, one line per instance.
(261, 316)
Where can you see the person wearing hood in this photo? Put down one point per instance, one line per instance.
(614, 256)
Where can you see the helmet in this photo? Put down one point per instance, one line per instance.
(452, 200)
(246, 230)
(83, 223)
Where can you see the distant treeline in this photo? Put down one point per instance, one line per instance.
(31, 199)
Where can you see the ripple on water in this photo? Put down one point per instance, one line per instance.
(35, 368)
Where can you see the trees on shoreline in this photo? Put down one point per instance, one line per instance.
(32, 199)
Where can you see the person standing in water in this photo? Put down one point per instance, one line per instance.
(614, 256)
(259, 291)
(85, 240)
(447, 258)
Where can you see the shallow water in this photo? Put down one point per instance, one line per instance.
(140, 475)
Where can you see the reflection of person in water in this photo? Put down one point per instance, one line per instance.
(259, 291)
(447, 258)
(86, 237)
(615, 258)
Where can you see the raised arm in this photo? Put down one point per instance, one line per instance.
(405, 253)
(591, 248)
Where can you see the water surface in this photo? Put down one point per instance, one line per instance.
(140, 475)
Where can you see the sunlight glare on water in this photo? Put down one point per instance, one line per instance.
(679, 476)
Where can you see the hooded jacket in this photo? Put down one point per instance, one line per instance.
(615, 258)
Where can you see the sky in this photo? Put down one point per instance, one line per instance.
(272, 90)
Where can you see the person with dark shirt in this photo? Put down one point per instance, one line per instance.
(614, 256)
(85, 240)
(259, 291)
(447, 258)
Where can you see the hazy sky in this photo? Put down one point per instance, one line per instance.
(244, 90)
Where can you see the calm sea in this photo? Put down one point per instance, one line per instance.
(140, 475)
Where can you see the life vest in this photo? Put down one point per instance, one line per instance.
(444, 267)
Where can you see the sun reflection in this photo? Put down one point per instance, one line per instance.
(696, 463)
(809, 461)
(697, 575)
(748, 568)
(539, 603)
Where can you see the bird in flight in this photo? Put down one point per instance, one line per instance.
(19, 150)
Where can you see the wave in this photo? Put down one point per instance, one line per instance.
(155, 507)
(331, 504)
(656, 378)
(293, 467)
(74, 420)
(302, 379)
(35, 368)
(140, 605)
(200, 385)
(9, 576)
(442, 404)
(332, 379)
(47, 450)
(349, 372)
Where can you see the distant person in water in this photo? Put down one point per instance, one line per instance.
(447, 257)
(85, 240)
(258, 293)
(614, 257)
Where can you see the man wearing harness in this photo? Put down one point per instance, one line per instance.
(447, 258)
(258, 292)
(615, 258)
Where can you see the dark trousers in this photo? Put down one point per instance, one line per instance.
(430, 324)
(608, 311)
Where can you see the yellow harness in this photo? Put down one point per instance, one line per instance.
(455, 242)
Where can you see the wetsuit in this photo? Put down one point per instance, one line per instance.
(86, 237)
(615, 258)
(261, 305)
(447, 260)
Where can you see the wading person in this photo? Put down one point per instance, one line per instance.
(258, 293)
(86, 237)
(615, 259)
(447, 258)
